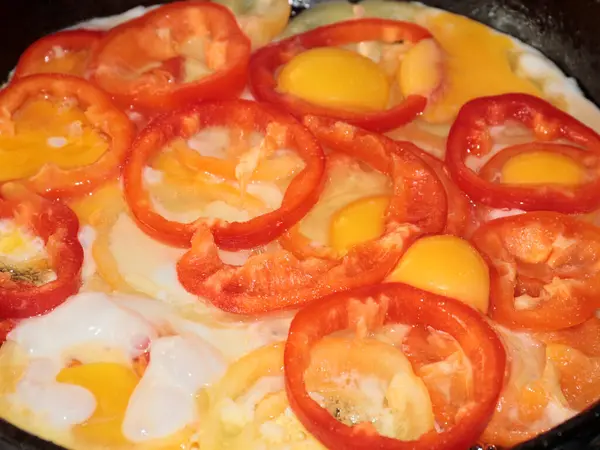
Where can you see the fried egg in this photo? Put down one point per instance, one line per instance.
(63, 381)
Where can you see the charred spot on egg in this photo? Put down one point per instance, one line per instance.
(24, 275)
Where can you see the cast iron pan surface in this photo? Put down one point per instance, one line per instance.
(566, 32)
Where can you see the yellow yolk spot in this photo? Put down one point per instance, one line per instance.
(360, 221)
(111, 384)
(318, 76)
(446, 265)
(48, 132)
(476, 64)
(542, 168)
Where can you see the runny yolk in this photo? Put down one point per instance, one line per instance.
(446, 265)
(336, 78)
(48, 131)
(476, 64)
(112, 385)
(360, 221)
(542, 168)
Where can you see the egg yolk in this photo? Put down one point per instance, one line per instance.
(112, 385)
(336, 78)
(14, 241)
(446, 265)
(476, 64)
(541, 168)
(360, 221)
(48, 132)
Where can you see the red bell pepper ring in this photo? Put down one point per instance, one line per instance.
(142, 63)
(470, 135)
(50, 180)
(418, 194)
(544, 272)
(266, 61)
(66, 52)
(300, 273)
(58, 226)
(302, 193)
(369, 308)
(460, 208)
(584, 337)
(419, 197)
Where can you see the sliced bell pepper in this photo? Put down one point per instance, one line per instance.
(177, 54)
(66, 52)
(281, 131)
(57, 225)
(460, 209)
(418, 193)
(584, 337)
(369, 308)
(57, 177)
(266, 61)
(544, 273)
(470, 136)
(300, 273)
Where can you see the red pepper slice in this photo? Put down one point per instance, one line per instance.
(300, 273)
(460, 208)
(302, 193)
(418, 193)
(544, 271)
(266, 61)
(6, 326)
(149, 62)
(584, 337)
(57, 225)
(101, 112)
(368, 308)
(66, 52)
(470, 135)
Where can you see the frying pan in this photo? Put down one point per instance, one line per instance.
(566, 32)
